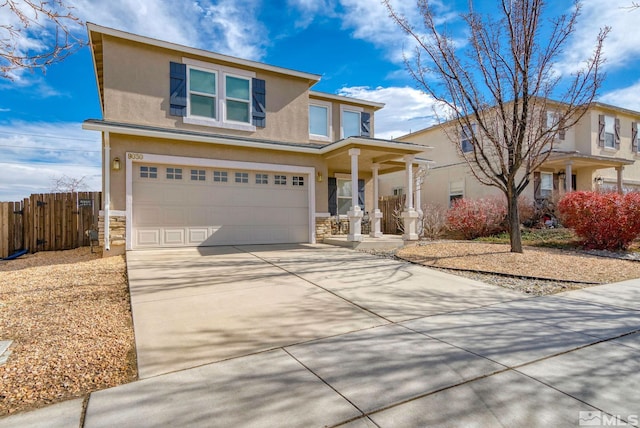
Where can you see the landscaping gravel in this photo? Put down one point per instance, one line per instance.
(538, 271)
(69, 316)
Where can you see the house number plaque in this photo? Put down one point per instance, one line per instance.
(135, 156)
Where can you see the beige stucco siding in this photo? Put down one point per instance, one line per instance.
(136, 90)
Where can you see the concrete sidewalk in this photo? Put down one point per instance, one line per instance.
(481, 358)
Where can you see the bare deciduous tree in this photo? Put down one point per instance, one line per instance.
(498, 88)
(35, 34)
(66, 184)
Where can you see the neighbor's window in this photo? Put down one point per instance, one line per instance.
(198, 175)
(344, 196)
(609, 132)
(350, 123)
(553, 119)
(280, 180)
(238, 90)
(220, 176)
(148, 172)
(242, 177)
(398, 191)
(466, 139)
(174, 173)
(262, 178)
(297, 181)
(319, 120)
(546, 184)
(202, 93)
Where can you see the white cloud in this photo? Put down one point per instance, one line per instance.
(308, 10)
(226, 26)
(622, 43)
(624, 97)
(406, 109)
(31, 154)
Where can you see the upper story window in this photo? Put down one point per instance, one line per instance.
(238, 100)
(202, 93)
(211, 94)
(609, 132)
(553, 119)
(319, 121)
(350, 123)
(466, 138)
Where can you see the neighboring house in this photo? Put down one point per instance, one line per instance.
(205, 149)
(599, 152)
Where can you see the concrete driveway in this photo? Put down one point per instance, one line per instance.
(193, 306)
(314, 336)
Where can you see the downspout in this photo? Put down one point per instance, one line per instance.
(107, 190)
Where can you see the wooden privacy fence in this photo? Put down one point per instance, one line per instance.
(391, 206)
(48, 222)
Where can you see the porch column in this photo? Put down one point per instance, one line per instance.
(419, 180)
(568, 181)
(410, 215)
(619, 170)
(355, 214)
(376, 216)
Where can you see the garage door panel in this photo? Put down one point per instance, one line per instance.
(192, 213)
(148, 237)
(173, 236)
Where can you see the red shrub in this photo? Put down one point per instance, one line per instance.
(477, 217)
(605, 221)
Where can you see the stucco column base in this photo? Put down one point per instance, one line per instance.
(355, 224)
(376, 221)
(410, 218)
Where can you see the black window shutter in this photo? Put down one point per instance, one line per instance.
(365, 124)
(617, 131)
(601, 130)
(361, 194)
(634, 137)
(333, 195)
(259, 101)
(178, 89)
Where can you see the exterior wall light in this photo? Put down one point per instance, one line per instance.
(115, 165)
(319, 176)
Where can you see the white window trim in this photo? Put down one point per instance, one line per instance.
(469, 138)
(326, 105)
(352, 109)
(221, 98)
(146, 158)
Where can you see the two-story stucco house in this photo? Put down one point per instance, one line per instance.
(599, 152)
(203, 149)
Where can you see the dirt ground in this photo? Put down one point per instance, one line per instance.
(69, 317)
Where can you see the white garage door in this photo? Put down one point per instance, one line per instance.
(176, 206)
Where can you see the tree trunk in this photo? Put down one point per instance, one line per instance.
(513, 218)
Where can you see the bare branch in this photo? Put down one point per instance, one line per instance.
(66, 184)
(36, 35)
(501, 87)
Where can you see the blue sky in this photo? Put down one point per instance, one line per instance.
(353, 44)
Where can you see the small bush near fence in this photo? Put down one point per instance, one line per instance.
(604, 221)
(473, 218)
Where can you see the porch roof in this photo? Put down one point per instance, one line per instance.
(558, 159)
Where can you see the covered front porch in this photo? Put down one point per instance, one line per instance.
(353, 171)
(576, 171)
